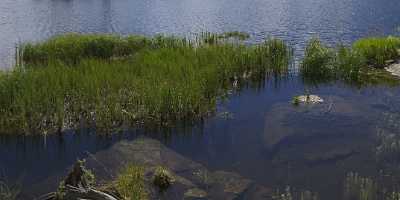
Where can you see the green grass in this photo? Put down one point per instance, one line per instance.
(359, 65)
(377, 51)
(317, 65)
(158, 81)
(130, 183)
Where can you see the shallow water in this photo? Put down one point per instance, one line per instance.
(295, 21)
(265, 138)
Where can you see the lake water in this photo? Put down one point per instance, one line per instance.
(265, 138)
(295, 21)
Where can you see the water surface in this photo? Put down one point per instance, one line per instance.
(295, 21)
(266, 139)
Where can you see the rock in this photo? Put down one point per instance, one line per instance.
(191, 180)
(394, 69)
(388, 62)
(284, 120)
(231, 182)
(307, 99)
(195, 193)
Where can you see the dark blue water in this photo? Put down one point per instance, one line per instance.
(296, 21)
(265, 139)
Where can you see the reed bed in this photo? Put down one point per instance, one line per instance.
(290, 194)
(357, 187)
(111, 82)
(359, 64)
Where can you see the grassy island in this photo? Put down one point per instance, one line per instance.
(108, 81)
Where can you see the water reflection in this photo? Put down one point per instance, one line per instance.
(266, 139)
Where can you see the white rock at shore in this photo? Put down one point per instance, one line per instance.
(394, 69)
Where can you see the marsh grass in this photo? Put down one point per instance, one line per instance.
(360, 188)
(130, 183)
(357, 187)
(317, 65)
(290, 194)
(377, 51)
(388, 147)
(85, 78)
(359, 65)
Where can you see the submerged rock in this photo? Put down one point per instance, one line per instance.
(394, 69)
(195, 193)
(284, 121)
(191, 180)
(334, 154)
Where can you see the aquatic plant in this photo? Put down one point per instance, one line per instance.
(388, 146)
(130, 183)
(358, 65)
(393, 196)
(290, 194)
(317, 65)
(7, 191)
(296, 100)
(360, 188)
(162, 178)
(378, 50)
(357, 187)
(60, 193)
(165, 80)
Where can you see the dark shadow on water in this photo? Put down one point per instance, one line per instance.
(257, 133)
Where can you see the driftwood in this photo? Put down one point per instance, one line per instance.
(73, 193)
(76, 187)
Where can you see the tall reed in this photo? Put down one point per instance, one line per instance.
(357, 65)
(85, 78)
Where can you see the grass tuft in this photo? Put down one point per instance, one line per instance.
(130, 183)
